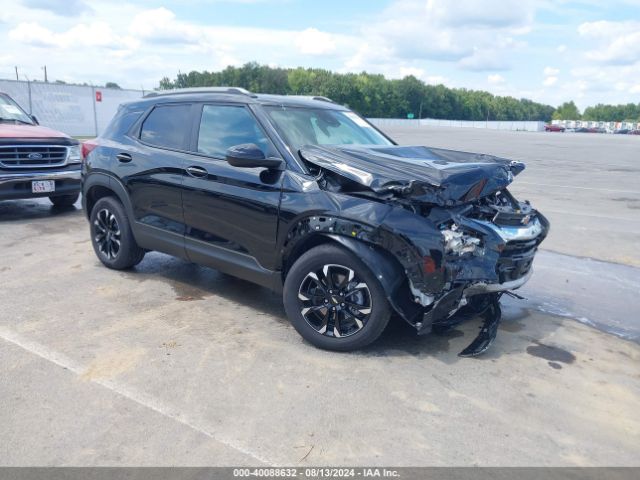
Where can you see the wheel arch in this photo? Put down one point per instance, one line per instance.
(382, 263)
(100, 185)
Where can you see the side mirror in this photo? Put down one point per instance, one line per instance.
(249, 155)
(35, 120)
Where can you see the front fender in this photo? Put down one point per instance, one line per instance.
(389, 273)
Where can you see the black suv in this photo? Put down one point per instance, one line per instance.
(305, 197)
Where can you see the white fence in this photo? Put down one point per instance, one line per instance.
(433, 122)
(73, 109)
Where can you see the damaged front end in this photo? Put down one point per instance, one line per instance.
(461, 239)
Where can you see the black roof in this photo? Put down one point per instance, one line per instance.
(238, 95)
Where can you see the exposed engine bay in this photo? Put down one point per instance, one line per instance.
(447, 218)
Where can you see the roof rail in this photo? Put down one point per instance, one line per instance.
(322, 99)
(314, 97)
(180, 91)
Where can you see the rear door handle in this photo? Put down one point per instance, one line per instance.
(198, 172)
(123, 157)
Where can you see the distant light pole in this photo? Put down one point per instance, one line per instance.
(17, 78)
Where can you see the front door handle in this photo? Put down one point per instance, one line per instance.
(197, 172)
(123, 157)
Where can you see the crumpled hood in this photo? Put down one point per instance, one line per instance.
(430, 175)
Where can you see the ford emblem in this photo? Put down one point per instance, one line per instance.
(34, 156)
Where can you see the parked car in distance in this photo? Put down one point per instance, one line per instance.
(36, 161)
(554, 128)
(307, 198)
(622, 131)
(634, 132)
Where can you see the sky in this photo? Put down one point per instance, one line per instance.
(549, 51)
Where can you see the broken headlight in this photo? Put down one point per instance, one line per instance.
(458, 242)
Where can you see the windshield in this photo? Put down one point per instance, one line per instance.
(11, 112)
(318, 126)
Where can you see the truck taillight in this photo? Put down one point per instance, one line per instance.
(87, 148)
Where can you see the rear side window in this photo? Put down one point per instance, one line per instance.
(122, 122)
(166, 126)
(225, 126)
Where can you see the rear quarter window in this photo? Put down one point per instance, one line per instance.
(166, 126)
(122, 122)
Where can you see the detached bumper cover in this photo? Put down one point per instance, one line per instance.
(482, 287)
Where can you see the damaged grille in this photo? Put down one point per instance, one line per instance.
(32, 156)
(516, 259)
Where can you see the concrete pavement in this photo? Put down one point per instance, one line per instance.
(176, 364)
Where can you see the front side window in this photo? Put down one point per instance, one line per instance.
(10, 111)
(225, 126)
(166, 126)
(316, 126)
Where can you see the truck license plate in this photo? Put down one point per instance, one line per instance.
(43, 186)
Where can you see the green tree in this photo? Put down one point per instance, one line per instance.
(371, 95)
(567, 111)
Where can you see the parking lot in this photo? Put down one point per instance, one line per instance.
(176, 364)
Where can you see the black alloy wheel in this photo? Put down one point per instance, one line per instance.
(334, 301)
(111, 235)
(107, 234)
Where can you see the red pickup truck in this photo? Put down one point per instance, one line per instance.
(36, 161)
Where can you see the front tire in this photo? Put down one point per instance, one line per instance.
(111, 235)
(64, 200)
(334, 301)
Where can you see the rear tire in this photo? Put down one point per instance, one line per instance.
(111, 235)
(64, 200)
(334, 301)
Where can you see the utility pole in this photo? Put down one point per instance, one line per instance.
(46, 80)
(17, 78)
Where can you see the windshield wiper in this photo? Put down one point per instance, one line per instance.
(14, 120)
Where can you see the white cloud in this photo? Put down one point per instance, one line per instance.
(485, 14)
(616, 42)
(436, 80)
(94, 34)
(314, 42)
(550, 76)
(416, 72)
(483, 61)
(607, 29)
(137, 45)
(59, 7)
(464, 43)
(160, 25)
(478, 35)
